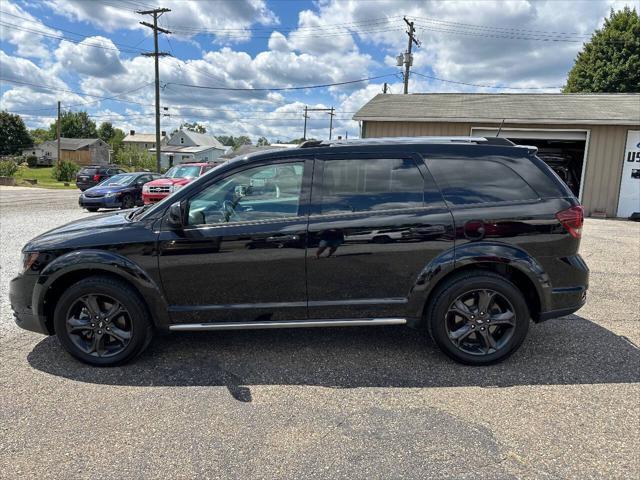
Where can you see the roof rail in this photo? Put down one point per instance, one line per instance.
(406, 140)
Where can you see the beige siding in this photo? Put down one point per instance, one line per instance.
(605, 153)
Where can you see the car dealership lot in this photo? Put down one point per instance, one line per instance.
(358, 403)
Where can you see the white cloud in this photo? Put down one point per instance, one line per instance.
(86, 59)
(224, 18)
(19, 31)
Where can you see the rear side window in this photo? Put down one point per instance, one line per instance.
(371, 184)
(468, 182)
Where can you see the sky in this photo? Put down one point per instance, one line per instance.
(89, 56)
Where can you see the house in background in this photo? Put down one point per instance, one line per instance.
(143, 141)
(185, 146)
(83, 151)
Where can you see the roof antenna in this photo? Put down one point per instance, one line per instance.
(500, 128)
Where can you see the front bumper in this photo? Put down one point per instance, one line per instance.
(99, 202)
(20, 297)
(153, 197)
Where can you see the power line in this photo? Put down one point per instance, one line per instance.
(502, 87)
(57, 89)
(498, 28)
(279, 89)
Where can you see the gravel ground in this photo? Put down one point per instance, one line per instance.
(356, 403)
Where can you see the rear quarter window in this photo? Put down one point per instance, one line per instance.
(478, 181)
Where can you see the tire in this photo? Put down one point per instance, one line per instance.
(92, 209)
(465, 335)
(127, 202)
(103, 341)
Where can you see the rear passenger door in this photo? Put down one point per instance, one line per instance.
(375, 223)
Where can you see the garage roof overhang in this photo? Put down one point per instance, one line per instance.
(537, 121)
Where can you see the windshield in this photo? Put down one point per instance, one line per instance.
(183, 171)
(88, 171)
(118, 180)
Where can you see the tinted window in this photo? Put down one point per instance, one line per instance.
(88, 171)
(250, 195)
(371, 184)
(465, 182)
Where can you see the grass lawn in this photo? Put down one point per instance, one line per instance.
(43, 175)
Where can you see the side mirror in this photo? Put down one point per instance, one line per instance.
(175, 217)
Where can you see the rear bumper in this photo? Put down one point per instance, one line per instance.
(85, 185)
(20, 295)
(566, 300)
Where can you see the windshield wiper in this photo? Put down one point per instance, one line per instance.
(138, 211)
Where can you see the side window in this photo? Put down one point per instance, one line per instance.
(475, 181)
(259, 193)
(371, 184)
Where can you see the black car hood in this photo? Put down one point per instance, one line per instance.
(79, 232)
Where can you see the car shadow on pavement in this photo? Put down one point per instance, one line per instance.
(566, 351)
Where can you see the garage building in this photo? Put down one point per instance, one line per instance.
(591, 140)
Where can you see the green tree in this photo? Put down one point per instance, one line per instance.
(106, 131)
(610, 61)
(39, 135)
(262, 142)
(116, 140)
(193, 127)
(75, 125)
(235, 142)
(14, 136)
(136, 158)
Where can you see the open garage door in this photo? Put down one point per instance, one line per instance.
(562, 150)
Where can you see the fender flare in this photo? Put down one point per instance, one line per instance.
(478, 253)
(100, 261)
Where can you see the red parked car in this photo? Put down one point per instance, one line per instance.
(175, 178)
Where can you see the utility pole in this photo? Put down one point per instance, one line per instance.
(156, 13)
(304, 135)
(58, 133)
(407, 60)
(385, 88)
(330, 111)
(331, 114)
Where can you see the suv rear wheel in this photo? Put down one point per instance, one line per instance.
(478, 318)
(102, 321)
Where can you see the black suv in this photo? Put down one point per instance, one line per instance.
(468, 238)
(92, 175)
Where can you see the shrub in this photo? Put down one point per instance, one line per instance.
(8, 168)
(32, 161)
(65, 171)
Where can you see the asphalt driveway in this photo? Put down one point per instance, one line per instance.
(333, 403)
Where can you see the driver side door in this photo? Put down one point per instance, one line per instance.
(241, 255)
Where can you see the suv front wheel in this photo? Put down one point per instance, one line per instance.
(478, 318)
(102, 321)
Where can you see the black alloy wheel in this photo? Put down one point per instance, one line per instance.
(478, 317)
(99, 325)
(102, 321)
(480, 322)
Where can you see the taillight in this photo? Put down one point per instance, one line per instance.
(96, 178)
(572, 220)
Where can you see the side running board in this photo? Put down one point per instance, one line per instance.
(356, 322)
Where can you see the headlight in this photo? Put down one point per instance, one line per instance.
(112, 194)
(175, 187)
(29, 259)
(145, 189)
